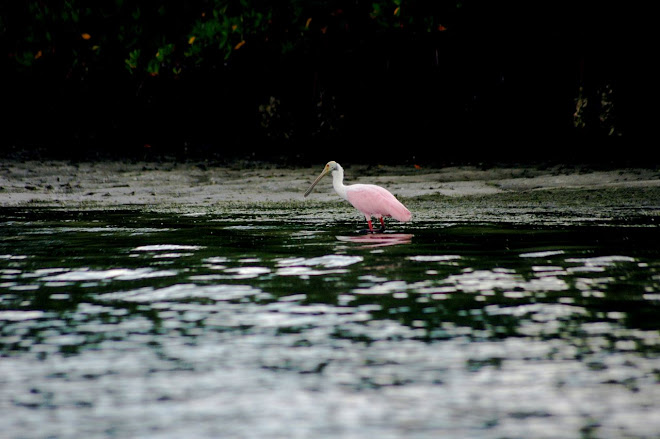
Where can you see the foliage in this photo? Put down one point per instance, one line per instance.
(222, 74)
(171, 37)
(597, 113)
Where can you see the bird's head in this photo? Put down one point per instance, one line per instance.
(330, 167)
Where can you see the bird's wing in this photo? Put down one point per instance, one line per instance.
(375, 200)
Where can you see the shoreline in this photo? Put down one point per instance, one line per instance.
(115, 183)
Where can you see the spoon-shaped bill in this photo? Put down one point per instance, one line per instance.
(309, 191)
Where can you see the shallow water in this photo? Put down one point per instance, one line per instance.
(279, 323)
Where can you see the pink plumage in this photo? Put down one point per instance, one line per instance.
(376, 201)
(371, 200)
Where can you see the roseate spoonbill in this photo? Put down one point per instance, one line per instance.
(369, 199)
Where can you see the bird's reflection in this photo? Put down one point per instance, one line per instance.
(378, 239)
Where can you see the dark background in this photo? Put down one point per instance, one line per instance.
(428, 83)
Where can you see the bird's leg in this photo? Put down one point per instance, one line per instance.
(382, 224)
(371, 227)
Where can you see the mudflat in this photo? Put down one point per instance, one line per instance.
(114, 183)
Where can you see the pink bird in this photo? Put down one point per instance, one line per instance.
(371, 200)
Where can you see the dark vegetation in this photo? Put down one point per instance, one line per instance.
(383, 80)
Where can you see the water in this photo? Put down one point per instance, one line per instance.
(282, 322)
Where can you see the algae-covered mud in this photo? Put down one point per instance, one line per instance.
(121, 183)
(522, 307)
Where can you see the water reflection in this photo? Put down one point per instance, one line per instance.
(378, 239)
(282, 332)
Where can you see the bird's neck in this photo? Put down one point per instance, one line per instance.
(338, 182)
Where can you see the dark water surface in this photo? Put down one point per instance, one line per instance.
(279, 323)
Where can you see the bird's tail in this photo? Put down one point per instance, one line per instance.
(402, 214)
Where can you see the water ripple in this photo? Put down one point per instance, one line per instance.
(15, 315)
(180, 292)
(166, 247)
(327, 261)
(270, 327)
(87, 274)
(305, 267)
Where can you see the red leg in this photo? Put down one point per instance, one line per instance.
(382, 223)
(371, 228)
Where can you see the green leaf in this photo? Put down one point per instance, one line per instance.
(132, 60)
